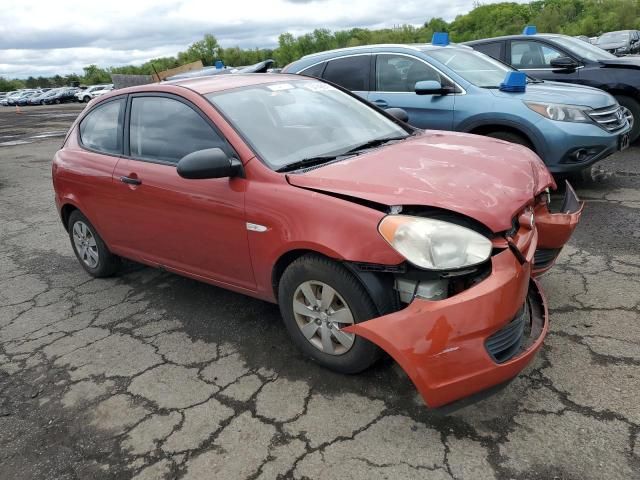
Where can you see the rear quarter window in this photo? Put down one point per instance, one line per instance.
(493, 49)
(101, 129)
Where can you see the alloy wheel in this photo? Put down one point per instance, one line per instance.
(321, 313)
(85, 244)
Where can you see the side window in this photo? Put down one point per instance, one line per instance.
(528, 54)
(314, 71)
(101, 129)
(399, 73)
(493, 49)
(351, 73)
(165, 129)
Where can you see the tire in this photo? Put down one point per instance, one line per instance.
(317, 273)
(101, 263)
(57, 101)
(511, 137)
(633, 106)
(86, 99)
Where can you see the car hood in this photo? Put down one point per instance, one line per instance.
(556, 92)
(622, 62)
(486, 179)
(612, 45)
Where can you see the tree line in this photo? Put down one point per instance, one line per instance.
(571, 17)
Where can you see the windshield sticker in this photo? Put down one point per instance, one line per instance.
(317, 86)
(279, 87)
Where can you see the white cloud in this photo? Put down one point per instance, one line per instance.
(44, 38)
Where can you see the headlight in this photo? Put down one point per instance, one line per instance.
(559, 112)
(434, 244)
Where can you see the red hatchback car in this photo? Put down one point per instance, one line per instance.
(371, 235)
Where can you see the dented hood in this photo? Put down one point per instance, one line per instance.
(482, 178)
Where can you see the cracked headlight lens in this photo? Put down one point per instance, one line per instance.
(434, 244)
(559, 112)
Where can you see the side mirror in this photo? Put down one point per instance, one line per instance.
(564, 63)
(398, 113)
(431, 87)
(208, 163)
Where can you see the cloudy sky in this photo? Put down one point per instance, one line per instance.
(62, 36)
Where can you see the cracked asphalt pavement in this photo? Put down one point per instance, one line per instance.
(148, 375)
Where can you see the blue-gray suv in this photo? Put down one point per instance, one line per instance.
(452, 87)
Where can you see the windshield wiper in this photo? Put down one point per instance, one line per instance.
(372, 143)
(307, 162)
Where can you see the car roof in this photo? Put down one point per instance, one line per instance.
(418, 47)
(516, 37)
(217, 83)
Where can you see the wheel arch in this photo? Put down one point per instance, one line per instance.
(65, 212)
(485, 129)
(377, 285)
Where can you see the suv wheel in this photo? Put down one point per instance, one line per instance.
(318, 298)
(86, 99)
(512, 138)
(632, 110)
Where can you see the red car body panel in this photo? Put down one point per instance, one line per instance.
(198, 228)
(482, 178)
(441, 344)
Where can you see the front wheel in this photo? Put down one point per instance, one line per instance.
(631, 109)
(86, 99)
(318, 298)
(511, 137)
(90, 249)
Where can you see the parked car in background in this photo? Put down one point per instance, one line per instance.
(371, 235)
(87, 94)
(584, 38)
(565, 59)
(102, 91)
(39, 99)
(593, 40)
(453, 87)
(23, 99)
(62, 95)
(4, 101)
(624, 42)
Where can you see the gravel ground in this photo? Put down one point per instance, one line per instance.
(150, 375)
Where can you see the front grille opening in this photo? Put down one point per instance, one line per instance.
(610, 118)
(506, 343)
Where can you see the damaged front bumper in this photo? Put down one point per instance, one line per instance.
(555, 229)
(469, 342)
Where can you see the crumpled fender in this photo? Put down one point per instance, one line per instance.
(555, 229)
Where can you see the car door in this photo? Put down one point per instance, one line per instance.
(192, 226)
(100, 143)
(352, 72)
(534, 58)
(395, 77)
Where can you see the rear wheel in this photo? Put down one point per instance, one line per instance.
(318, 298)
(86, 99)
(90, 249)
(631, 109)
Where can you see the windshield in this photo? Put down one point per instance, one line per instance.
(583, 49)
(288, 122)
(476, 68)
(613, 37)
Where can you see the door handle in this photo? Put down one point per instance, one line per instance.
(381, 103)
(131, 181)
